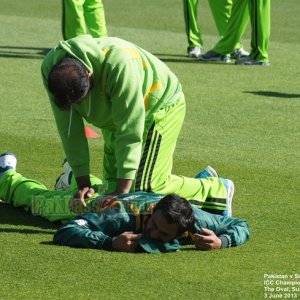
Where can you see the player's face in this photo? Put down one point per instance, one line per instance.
(158, 228)
(90, 78)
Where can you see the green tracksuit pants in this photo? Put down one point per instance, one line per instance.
(35, 197)
(221, 11)
(260, 14)
(55, 205)
(82, 17)
(155, 170)
(260, 28)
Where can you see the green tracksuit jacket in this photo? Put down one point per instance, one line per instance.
(131, 212)
(130, 84)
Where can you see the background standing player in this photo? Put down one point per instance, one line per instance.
(260, 33)
(82, 17)
(221, 11)
(260, 14)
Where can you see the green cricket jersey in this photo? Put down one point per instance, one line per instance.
(129, 85)
(130, 212)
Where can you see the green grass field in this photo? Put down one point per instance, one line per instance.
(244, 121)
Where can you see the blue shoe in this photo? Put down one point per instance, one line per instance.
(207, 172)
(249, 61)
(213, 56)
(63, 181)
(8, 161)
(230, 191)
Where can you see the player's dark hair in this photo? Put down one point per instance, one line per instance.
(69, 83)
(177, 210)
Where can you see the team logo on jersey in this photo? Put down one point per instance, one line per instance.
(81, 222)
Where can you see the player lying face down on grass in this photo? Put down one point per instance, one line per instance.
(145, 222)
(132, 222)
(137, 102)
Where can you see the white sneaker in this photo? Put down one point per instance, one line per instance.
(8, 161)
(63, 181)
(194, 51)
(239, 53)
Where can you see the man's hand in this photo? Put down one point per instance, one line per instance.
(126, 242)
(207, 240)
(84, 189)
(84, 193)
(108, 199)
(123, 187)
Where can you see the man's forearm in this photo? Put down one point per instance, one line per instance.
(76, 233)
(124, 185)
(83, 181)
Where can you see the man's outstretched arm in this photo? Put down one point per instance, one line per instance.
(215, 232)
(77, 233)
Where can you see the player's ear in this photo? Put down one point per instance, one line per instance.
(183, 235)
(89, 74)
(90, 77)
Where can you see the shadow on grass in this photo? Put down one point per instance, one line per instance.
(23, 52)
(10, 215)
(48, 243)
(189, 61)
(188, 248)
(174, 58)
(170, 55)
(25, 231)
(273, 94)
(185, 59)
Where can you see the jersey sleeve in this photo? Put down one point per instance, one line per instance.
(78, 233)
(231, 231)
(124, 86)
